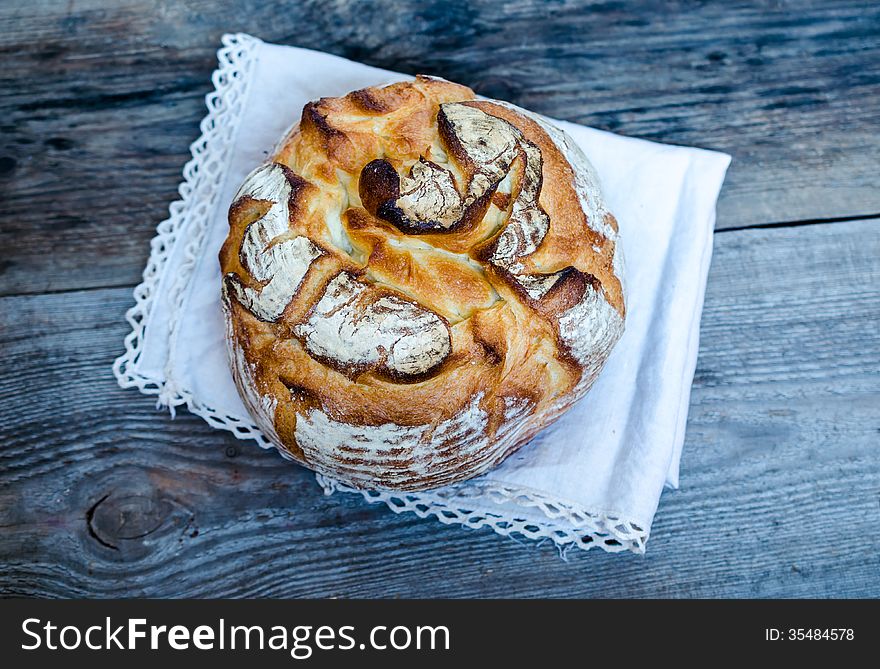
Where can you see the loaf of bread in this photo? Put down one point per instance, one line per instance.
(416, 283)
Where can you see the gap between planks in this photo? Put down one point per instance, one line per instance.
(796, 224)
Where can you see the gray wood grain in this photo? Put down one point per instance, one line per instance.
(102, 495)
(100, 101)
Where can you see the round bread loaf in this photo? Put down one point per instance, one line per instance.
(417, 283)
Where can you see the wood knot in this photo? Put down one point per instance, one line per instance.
(119, 518)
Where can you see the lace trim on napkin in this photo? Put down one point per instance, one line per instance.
(198, 192)
(566, 525)
(494, 505)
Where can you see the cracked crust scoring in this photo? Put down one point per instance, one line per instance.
(353, 328)
(417, 283)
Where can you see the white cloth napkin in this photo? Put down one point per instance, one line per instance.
(595, 477)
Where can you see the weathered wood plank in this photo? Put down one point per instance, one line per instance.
(102, 495)
(99, 101)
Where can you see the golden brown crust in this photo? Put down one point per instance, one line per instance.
(407, 301)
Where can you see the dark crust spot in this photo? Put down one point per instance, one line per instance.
(378, 185)
(295, 180)
(390, 212)
(228, 279)
(483, 251)
(312, 116)
(569, 290)
(299, 392)
(366, 100)
(493, 356)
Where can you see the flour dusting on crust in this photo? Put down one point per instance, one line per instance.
(492, 144)
(390, 455)
(261, 407)
(589, 329)
(352, 328)
(394, 453)
(586, 183)
(429, 194)
(282, 265)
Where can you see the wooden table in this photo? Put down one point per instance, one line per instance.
(103, 495)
